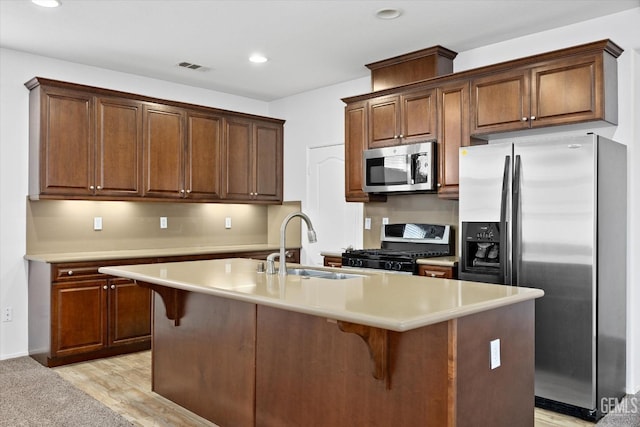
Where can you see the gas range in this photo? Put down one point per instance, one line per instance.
(401, 246)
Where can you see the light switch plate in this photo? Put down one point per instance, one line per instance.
(367, 223)
(163, 222)
(495, 353)
(385, 221)
(227, 222)
(97, 223)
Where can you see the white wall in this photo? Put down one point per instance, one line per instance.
(313, 119)
(15, 69)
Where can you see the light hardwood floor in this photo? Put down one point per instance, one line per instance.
(123, 383)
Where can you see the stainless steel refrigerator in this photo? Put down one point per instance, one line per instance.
(551, 214)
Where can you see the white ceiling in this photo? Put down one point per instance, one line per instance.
(310, 44)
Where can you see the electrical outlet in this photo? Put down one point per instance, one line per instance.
(385, 221)
(97, 223)
(367, 223)
(163, 222)
(7, 314)
(495, 353)
(227, 222)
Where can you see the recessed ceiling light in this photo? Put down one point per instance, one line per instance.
(257, 58)
(388, 13)
(47, 3)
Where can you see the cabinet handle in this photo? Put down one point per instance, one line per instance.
(70, 272)
(524, 119)
(533, 117)
(113, 286)
(104, 287)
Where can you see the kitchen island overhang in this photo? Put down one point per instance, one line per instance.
(404, 347)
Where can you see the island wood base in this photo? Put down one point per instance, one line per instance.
(240, 364)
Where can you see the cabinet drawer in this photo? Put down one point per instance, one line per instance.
(75, 271)
(436, 271)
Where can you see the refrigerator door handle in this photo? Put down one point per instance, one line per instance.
(503, 220)
(515, 220)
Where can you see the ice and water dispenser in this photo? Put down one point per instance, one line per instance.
(483, 247)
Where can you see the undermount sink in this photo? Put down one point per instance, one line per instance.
(321, 274)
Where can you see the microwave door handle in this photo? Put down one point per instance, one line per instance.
(410, 167)
(503, 220)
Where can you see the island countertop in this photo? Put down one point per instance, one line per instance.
(390, 301)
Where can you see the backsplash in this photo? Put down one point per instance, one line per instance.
(419, 208)
(55, 226)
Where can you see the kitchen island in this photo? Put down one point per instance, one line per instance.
(243, 348)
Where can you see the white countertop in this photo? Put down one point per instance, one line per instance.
(390, 301)
(145, 253)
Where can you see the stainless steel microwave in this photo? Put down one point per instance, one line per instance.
(401, 168)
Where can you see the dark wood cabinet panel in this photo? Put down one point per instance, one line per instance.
(500, 102)
(79, 315)
(355, 142)
(204, 156)
(453, 133)
(402, 119)
(163, 151)
(332, 261)
(63, 138)
(438, 271)
(129, 312)
(118, 148)
(253, 161)
(268, 161)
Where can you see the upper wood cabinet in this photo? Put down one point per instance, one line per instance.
(61, 134)
(563, 91)
(118, 169)
(93, 143)
(402, 119)
(453, 133)
(253, 161)
(182, 153)
(355, 142)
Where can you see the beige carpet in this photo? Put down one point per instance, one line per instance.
(32, 395)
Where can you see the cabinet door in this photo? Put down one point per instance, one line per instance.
(203, 159)
(267, 158)
(163, 151)
(453, 110)
(119, 148)
(418, 115)
(566, 91)
(79, 316)
(67, 142)
(355, 142)
(384, 122)
(500, 102)
(238, 182)
(129, 312)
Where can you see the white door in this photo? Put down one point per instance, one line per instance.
(338, 223)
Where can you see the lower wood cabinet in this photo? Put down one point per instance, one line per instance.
(332, 261)
(78, 314)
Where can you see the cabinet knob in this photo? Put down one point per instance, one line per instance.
(182, 191)
(433, 274)
(91, 187)
(188, 191)
(401, 136)
(98, 188)
(533, 117)
(524, 119)
(70, 272)
(104, 287)
(438, 185)
(113, 286)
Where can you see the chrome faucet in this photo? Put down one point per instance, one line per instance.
(282, 256)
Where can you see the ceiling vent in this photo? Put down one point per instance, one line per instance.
(191, 66)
